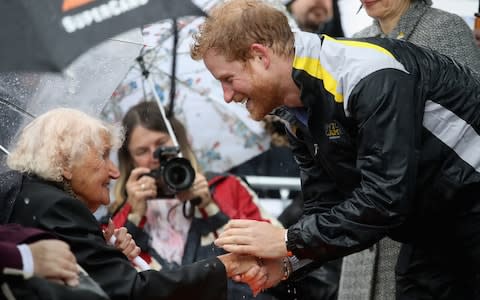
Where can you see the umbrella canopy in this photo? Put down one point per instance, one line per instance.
(86, 84)
(49, 35)
(222, 135)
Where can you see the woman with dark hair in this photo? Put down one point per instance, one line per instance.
(170, 230)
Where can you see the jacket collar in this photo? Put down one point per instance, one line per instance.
(407, 23)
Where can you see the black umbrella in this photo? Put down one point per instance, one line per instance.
(48, 35)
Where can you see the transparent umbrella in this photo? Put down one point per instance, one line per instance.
(221, 135)
(87, 84)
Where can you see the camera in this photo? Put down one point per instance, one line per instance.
(174, 174)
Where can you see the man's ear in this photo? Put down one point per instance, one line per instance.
(261, 53)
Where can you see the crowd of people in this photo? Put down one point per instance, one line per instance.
(384, 128)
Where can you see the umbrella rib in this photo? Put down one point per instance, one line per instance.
(16, 107)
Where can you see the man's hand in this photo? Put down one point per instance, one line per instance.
(256, 238)
(53, 260)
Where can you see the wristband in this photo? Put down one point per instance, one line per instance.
(287, 268)
(289, 253)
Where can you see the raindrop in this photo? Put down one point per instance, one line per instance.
(26, 200)
(34, 218)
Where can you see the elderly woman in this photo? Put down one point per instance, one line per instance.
(64, 158)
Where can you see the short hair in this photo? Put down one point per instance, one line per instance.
(58, 139)
(235, 25)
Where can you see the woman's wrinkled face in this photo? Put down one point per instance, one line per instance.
(143, 143)
(90, 176)
(383, 9)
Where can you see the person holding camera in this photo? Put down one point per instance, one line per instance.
(60, 174)
(174, 227)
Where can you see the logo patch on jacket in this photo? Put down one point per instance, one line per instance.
(333, 130)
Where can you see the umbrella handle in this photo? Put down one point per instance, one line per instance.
(138, 261)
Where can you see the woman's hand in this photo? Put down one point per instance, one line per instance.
(139, 189)
(199, 189)
(123, 240)
(246, 268)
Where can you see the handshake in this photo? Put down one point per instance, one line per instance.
(258, 254)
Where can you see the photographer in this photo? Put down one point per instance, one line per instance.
(176, 228)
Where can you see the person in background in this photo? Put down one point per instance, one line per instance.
(63, 158)
(476, 33)
(317, 16)
(169, 228)
(417, 22)
(385, 134)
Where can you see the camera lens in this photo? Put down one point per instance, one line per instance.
(178, 174)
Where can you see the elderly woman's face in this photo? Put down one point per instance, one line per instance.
(143, 142)
(384, 9)
(90, 177)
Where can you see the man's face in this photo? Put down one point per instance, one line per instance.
(246, 83)
(310, 14)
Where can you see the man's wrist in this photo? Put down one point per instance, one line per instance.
(296, 263)
(289, 253)
(286, 267)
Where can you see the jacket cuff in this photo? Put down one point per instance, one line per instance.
(292, 242)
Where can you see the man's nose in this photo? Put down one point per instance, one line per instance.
(227, 93)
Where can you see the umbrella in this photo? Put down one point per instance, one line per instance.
(86, 85)
(48, 35)
(222, 135)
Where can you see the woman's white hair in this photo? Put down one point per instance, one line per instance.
(57, 139)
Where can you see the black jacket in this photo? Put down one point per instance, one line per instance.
(43, 205)
(387, 144)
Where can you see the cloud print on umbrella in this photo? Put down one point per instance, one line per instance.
(49, 35)
(222, 136)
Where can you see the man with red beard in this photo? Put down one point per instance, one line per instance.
(386, 136)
